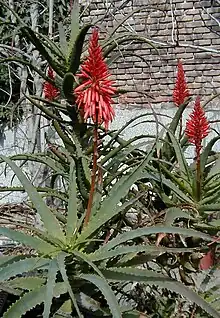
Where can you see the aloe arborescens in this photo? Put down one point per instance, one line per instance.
(180, 92)
(49, 90)
(94, 99)
(94, 93)
(197, 128)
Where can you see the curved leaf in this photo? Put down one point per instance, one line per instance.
(74, 58)
(8, 259)
(22, 266)
(155, 279)
(50, 222)
(48, 113)
(74, 26)
(106, 291)
(166, 149)
(71, 224)
(180, 156)
(171, 185)
(34, 242)
(154, 250)
(115, 135)
(109, 207)
(38, 157)
(28, 283)
(174, 213)
(61, 263)
(124, 237)
(32, 299)
(30, 35)
(206, 152)
(51, 282)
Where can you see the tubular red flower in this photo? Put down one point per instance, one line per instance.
(197, 126)
(94, 94)
(180, 92)
(50, 91)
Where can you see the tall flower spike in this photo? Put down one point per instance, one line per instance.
(94, 94)
(180, 92)
(197, 127)
(50, 91)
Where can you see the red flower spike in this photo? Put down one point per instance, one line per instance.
(197, 127)
(95, 91)
(180, 92)
(50, 91)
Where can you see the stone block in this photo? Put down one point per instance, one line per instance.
(184, 5)
(202, 42)
(201, 30)
(187, 18)
(205, 4)
(186, 30)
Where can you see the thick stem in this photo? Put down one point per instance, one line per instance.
(181, 127)
(198, 176)
(93, 179)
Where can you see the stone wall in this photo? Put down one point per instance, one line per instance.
(188, 29)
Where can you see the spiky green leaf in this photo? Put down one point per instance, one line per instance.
(51, 282)
(61, 263)
(171, 185)
(206, 152)
(72, 203)
(32, 299)
(32, 241)
(27, 283)
(50, 222)
(74, 58)
(180, 156)
(174, 213)
(74, 26)
(23, 266)
(62, 38)
(8, 259)
(31, 35)
(147, 249)
(104, 287)
(109, 207)
(124, 237)
(156, 279)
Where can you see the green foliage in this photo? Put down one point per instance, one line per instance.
(71, 260)
(77, 243)
(177, 176)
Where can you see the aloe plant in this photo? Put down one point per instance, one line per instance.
(68, 258)
(73, 266)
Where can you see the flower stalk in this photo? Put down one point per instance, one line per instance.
(94, 94)
(197, 128)
(94, 99)
(93, 176)
(50, 91)
(180, 92)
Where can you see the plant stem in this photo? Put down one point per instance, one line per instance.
(198, 178)
(93, 178)
(181, 127)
